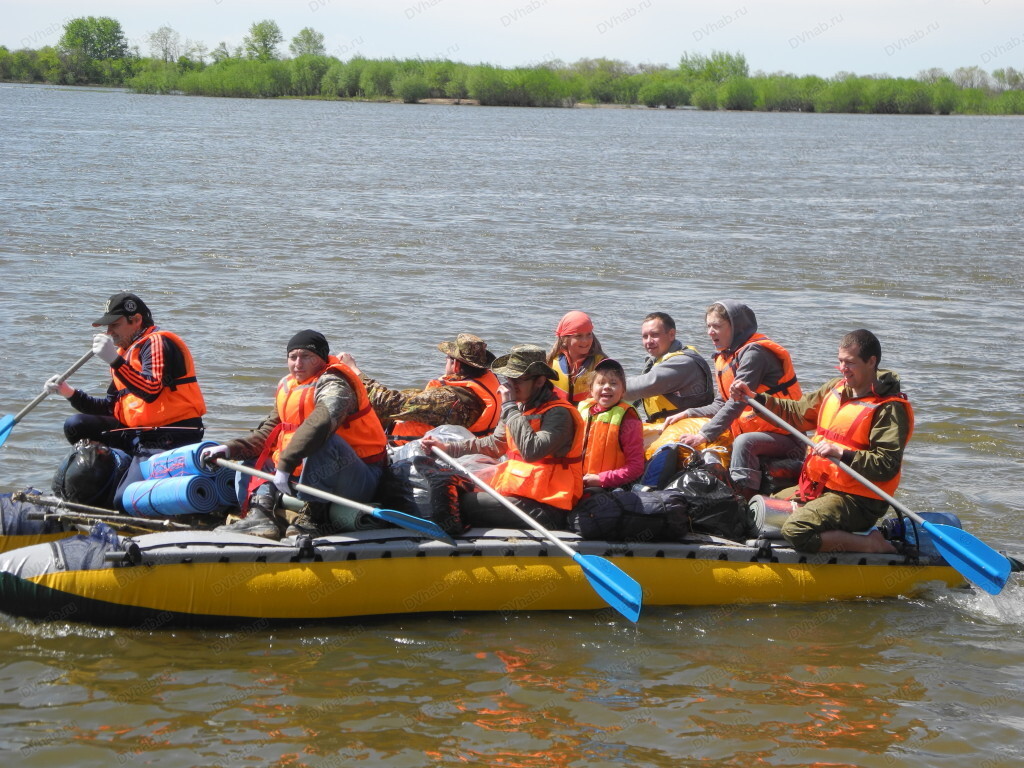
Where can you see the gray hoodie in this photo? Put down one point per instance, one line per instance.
(756, 366)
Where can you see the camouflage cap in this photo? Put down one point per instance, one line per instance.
(523, 360)
(468, 349)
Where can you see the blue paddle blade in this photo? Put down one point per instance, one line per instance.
(413, 523)
(6, 425)
(975, 559)
(615, 586)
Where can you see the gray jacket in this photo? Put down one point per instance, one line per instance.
(684, 379)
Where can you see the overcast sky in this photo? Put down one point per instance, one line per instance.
(821, 37)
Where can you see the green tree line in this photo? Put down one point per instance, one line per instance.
(93, 50)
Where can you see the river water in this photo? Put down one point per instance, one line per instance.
(393, 227)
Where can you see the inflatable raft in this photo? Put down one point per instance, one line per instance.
(196, 578)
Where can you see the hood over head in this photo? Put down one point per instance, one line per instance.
(744, 322)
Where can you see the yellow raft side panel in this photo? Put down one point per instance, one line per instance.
(10, 543)
(412, 585)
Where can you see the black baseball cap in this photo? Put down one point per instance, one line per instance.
(123, 305)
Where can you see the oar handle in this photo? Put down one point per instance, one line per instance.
(298, 486)
(845, 467)
(44, 394)
(506, 503)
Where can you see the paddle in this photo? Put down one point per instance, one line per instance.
(7, 422)
(975, 559)
(614, 586)
(393, 516)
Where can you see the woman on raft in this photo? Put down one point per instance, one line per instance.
(574, 355)
(743, 354)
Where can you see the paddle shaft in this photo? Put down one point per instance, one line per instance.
(845, 467)
(44, 394)
(298, 486)
(508, 504)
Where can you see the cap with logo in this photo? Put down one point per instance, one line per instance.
(123, 305)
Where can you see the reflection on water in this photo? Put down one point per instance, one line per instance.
(391, 228)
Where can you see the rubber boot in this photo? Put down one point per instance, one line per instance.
(259, 522)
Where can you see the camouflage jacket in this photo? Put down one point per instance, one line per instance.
(434, 405)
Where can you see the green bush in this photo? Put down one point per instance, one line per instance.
(944, 96)
(411, 87)
(785, 93)
(155, 77)
(972, 101)
(914, 98)
(737, 93)
(667, 91)
(375, 79)
(536, 87)
(239, 78)
(705, 95)
(847, 95)
(307, 73)
(1010, 103)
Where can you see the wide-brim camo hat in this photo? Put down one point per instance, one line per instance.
(468, 349)
(523, 360)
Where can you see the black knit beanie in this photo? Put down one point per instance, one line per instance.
(314, 341)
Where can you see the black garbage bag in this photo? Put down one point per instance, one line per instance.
(713, 507)
(420, 486)
(635, 516)
(90, 474)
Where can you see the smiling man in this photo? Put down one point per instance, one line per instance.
(153, 401)
(862, 419)
(674, 377)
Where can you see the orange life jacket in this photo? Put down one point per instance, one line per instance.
(849, 425)
(602, 450)
(361, 429)
(179, 399)
(554, 480)
(787, 388)
(485, 387)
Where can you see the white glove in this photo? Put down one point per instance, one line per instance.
(53, 386)
(103, 347)
(209, 455)
(281, 479)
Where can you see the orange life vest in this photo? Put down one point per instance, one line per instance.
(179, 399)
(361, 429)
(788, 388)
(848, 424)
(602, 450)
(485, 387)
(554, 480)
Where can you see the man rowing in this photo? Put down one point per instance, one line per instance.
(153, 402)
(862, 419)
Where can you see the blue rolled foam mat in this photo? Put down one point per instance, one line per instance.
(190, 495)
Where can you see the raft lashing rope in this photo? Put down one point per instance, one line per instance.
(175, 483)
